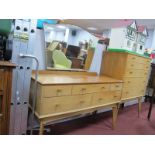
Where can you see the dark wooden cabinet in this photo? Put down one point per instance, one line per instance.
(5, 95)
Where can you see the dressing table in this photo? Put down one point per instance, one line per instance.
(64, 94)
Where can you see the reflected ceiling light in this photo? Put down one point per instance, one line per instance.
(92, 28)
(61, 27)
(50, 28)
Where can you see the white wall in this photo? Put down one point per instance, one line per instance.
(107, 33)
(60, 36)
(81, 35)
(39, 49)
(150, 39)
(53, 35)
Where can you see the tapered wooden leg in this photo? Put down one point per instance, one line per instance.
(139, 105)
(41, 130)
(114, 116)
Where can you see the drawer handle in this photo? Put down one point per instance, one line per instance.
(127, 92)
(83, 89)
(115, 96)
(102, 87)
(56, 106)
(133, 58)
(130, 72)
(129, 81)
(132, 65)
(100, 99)
(117, 86)
(81, 102)
(59, 91)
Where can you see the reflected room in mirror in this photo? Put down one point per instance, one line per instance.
(68, 47)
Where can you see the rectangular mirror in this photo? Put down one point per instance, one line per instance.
(67, 47)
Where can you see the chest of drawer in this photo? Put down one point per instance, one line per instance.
(116, 86)
(135, 73)
(57, 90)
(1, 79)
(107, 97)
(91, 88)
(63, 104)
(135, 65)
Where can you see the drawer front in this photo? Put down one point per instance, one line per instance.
(91, 88)
(103, 87)
(129, 93)
(136, 73)
(51, 91)
(133, 65)
(116, 86)
(134, 82)
(107, 97)
(1, 79)
(138, 59)
(63, 104)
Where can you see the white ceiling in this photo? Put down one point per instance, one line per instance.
(103, 24)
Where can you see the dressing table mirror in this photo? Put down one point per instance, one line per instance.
(68, 47)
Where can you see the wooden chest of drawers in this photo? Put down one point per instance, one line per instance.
(65, 95)
(132, 69)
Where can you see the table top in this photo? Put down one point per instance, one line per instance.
(55, 79)
(7, 64)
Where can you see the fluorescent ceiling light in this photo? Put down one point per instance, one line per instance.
(92, 28)
(50, 28)
(61, 27)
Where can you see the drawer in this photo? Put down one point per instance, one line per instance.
(63, 104)
(103, 87)
(116, 86)
(107, 97)
(138, 59)
(136, 73)
(91, 88)
(132, 93)
(1, 79)
(133, 82)
(51, 91)
(133, 65)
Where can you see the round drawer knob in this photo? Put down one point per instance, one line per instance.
(81, 103)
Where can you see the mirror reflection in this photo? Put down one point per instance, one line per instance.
(68, 46)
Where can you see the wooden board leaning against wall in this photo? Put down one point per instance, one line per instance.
(132, 69)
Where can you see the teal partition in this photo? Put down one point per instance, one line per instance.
(5, 26)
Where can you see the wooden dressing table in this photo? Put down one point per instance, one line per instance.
(64, 94)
